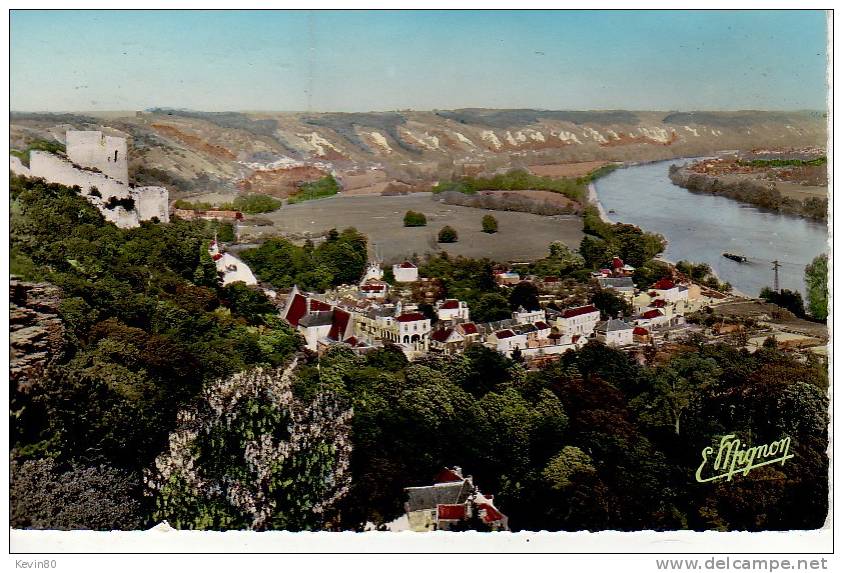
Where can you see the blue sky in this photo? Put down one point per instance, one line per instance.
(386, 60)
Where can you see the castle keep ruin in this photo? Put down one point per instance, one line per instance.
(99, 165)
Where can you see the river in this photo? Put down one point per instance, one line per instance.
(700, 228)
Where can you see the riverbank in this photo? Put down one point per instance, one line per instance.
(701, 227)
(750, 191)
(594, 200)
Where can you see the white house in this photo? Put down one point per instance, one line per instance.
(623, 285)
(452, 309)
(668, 290)
(414, 330)
(506, 340)
(405, 272)
(652, 318)
(522, 316)
(578, 320)
(374, 289)
(615, 332)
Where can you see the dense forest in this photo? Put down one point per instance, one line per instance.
(175, 398)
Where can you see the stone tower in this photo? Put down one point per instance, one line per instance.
(92, 149)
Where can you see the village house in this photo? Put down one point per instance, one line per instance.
(506, 340)
(447, 340)
(507, 278)
(619, 269)
(414, 330)
(374, 289)
(615, 332)
(319, 322)
(405, 272)
(669, 291)
(523, 316)
(622, 285)
(452, 309)
(469, 331)
(653, 318)
(578, 320)
(450, 501)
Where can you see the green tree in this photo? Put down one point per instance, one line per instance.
(490, 224)
(447, 235)
(610, 304)
(524, 295)
(816, 278)
(562, 470)
(491, 307)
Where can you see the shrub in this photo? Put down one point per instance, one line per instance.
(448, 235)
(414, 219)
(324, 187)
(490, 224)
(253, 204)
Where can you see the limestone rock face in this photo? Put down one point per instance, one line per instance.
(36, 330)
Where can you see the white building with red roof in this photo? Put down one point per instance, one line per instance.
(506, 340)
(452, 499)
(414, 330)
(669, 291)
(578, 320)
(405, 272)
(452, 309)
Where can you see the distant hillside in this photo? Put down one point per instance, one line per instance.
(198, 151)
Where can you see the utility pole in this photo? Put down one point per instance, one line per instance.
(776, 266)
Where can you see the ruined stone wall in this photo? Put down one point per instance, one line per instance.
(152, 202)
(104, 152)
(58, 170)
(36, 332)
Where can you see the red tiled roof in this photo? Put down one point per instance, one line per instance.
(407, 265)
(542, 325)
(351, 340)
(450, 303)
(641, 331)
(652, 313)
(298, 308)
(504, 333)
(575, 337)
(447, 475)
(339, 324)
(664, 284)
(318, 305)
(442, 334)
(372, 288)
(658, 303)
(491, 513)
(617, 262)
(411, 317)
(451, 511)
(217, 256)
(571, 312)
(469, 328)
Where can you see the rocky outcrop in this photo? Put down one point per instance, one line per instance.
(36, 330)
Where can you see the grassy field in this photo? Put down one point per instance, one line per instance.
(520, 236)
